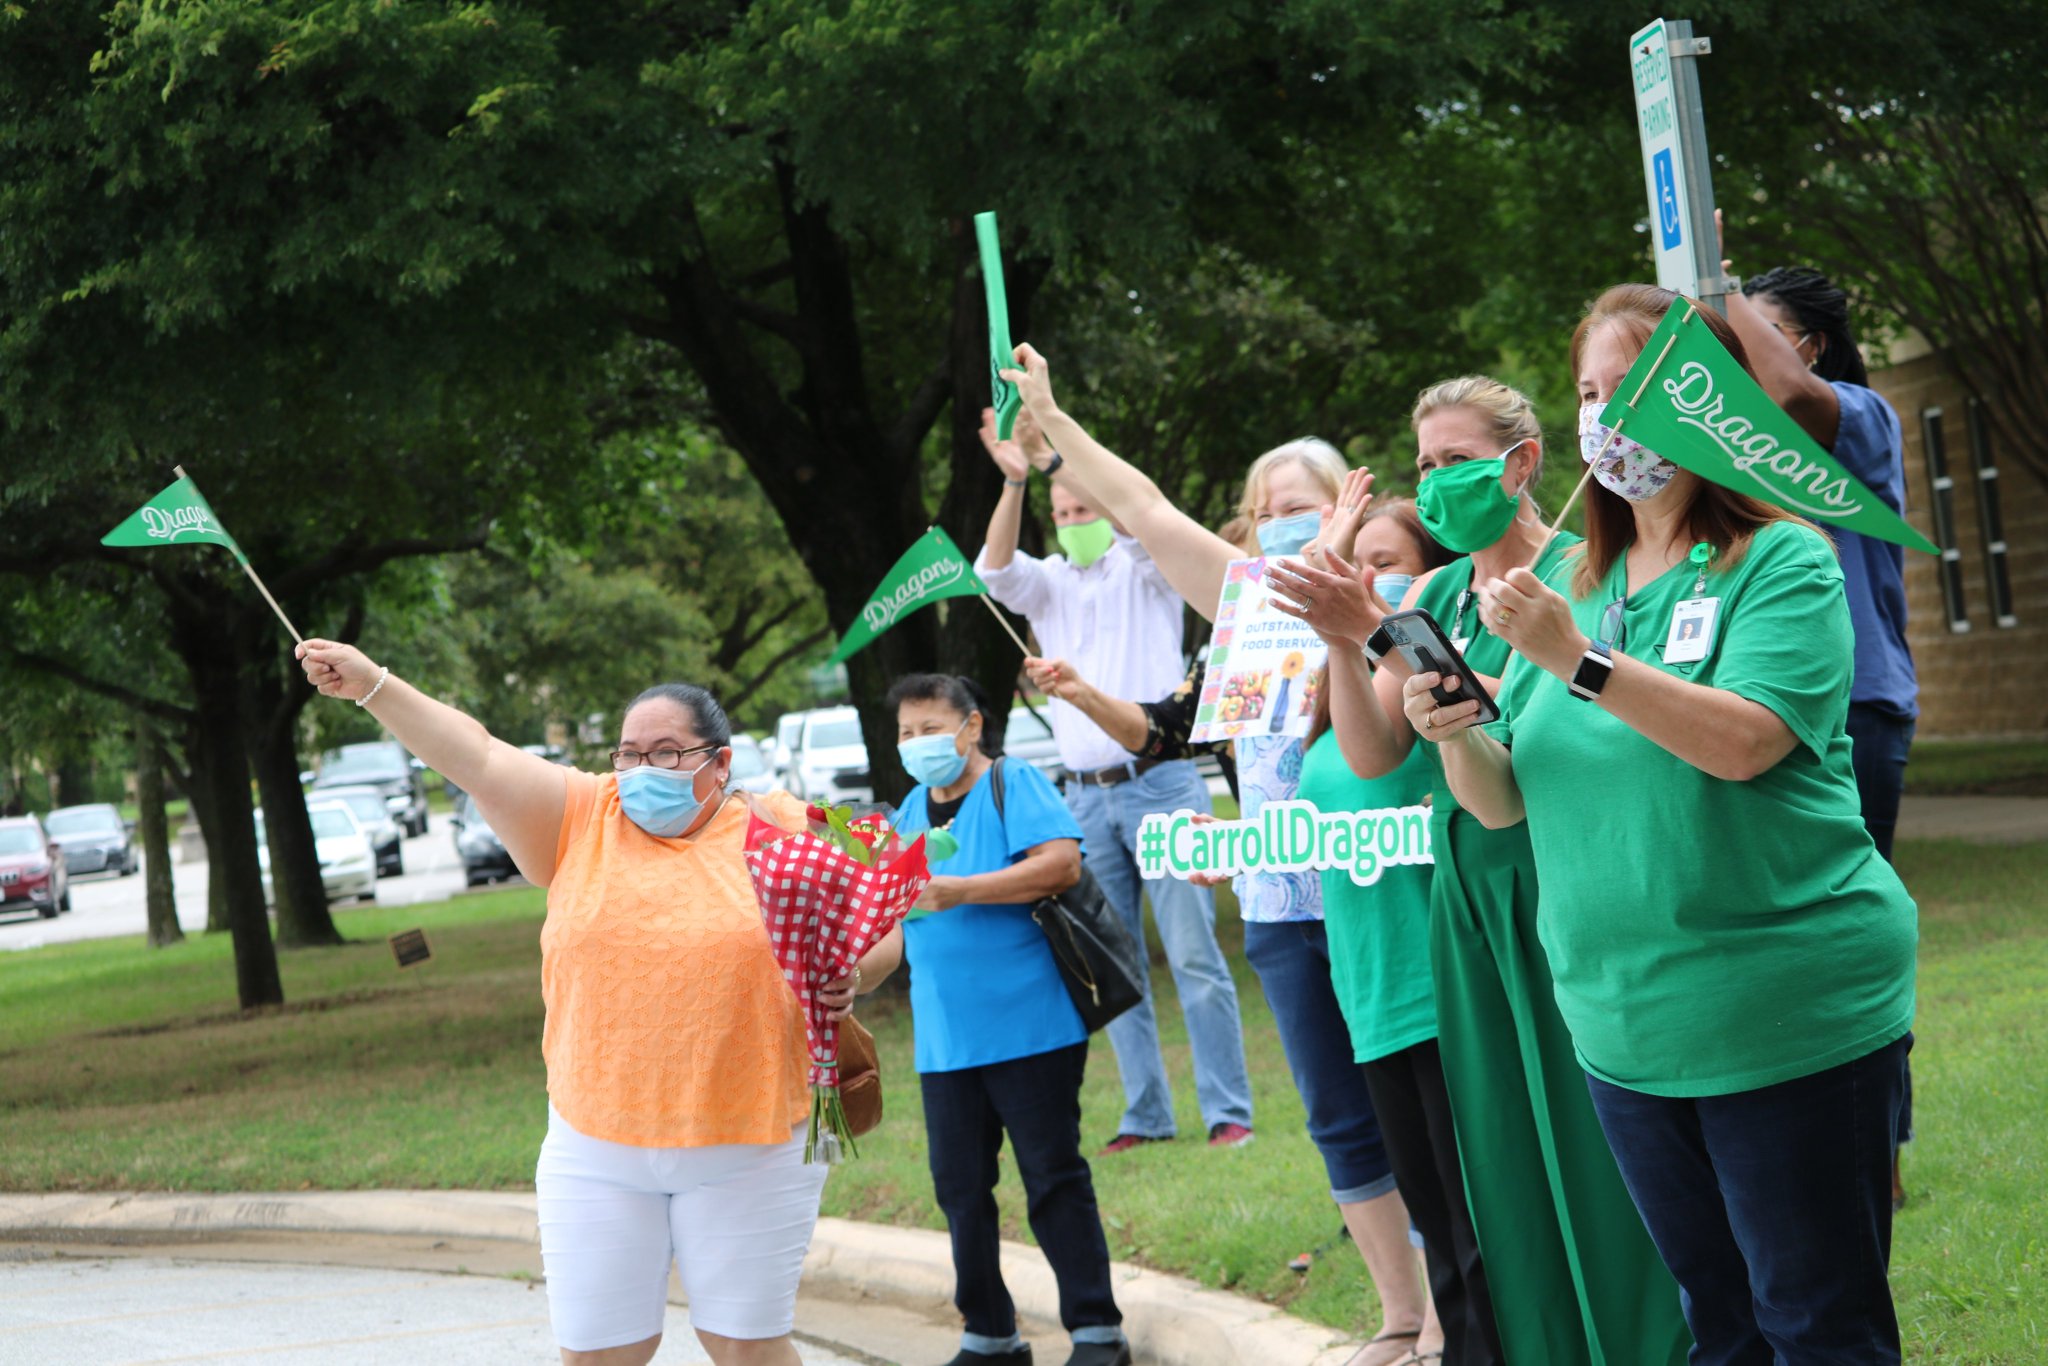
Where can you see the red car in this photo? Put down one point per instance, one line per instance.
(32, 875)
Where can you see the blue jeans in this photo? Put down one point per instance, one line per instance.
(1036, 1101)
(1186, 917)
(1293, 963)
(1773, 1210)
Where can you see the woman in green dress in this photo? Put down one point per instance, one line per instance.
(1573, 1277)
(1731, 953)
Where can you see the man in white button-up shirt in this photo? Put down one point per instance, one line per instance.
(1106, 607)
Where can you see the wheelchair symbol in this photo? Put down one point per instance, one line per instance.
(1668, 219)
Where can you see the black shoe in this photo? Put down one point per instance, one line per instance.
(1020, 1357)
(1100, 1354)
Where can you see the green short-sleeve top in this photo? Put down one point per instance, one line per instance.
(1379, 935)
(1710, 936)
(1453, 601)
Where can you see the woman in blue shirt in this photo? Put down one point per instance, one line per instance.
(1000, 1048)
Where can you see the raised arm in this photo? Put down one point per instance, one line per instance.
(522, 795)
(1123, 721)
(1192, 557)
(1008, 519)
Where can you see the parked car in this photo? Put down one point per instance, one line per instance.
(483, 854)
(374, 815)
(32, 873)
(348, 866)
(831, 762)
(384, 765)
(1029, 737)
(750, 770)
(95, 839)
(789, 728)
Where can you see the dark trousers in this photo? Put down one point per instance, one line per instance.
(1037, 1102)
(1879, 742)
(1772, 1208)
(1414, 1113)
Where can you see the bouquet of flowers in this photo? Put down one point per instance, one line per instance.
(827, 893)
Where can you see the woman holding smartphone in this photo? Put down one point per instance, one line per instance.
(1731, 953)
(1554, 1221)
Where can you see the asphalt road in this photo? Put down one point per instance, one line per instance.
(104, 905)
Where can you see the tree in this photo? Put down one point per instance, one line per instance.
(161, 903)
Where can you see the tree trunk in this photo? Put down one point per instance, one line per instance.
(303, 918)
(156, 841)
(199, 794)
(223, 775)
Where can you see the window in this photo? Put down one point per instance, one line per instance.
(1991, 521)
(1944, 520)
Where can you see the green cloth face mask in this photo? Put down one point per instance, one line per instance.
(1086, 542)
(1464, 505)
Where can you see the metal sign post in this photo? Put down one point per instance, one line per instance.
(1677, 176)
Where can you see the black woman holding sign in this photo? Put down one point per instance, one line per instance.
(1554, 1222)
(1733, 957)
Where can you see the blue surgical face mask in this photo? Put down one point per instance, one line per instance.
(932, 759)
(1392, 587)
(1286, 535)
(661, 801)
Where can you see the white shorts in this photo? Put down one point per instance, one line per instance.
(736, 1220)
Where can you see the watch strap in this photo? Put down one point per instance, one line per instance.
(1596, 666)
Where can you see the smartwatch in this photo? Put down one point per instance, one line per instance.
(1378, 643)
(1595, 667)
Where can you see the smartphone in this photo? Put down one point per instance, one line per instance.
(1427, 649)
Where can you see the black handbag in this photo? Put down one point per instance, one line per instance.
(1102, 966)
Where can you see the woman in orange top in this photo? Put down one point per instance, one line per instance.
(675, 1050)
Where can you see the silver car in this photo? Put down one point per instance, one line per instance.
(373, 813)
(95, 839)
(348, 867)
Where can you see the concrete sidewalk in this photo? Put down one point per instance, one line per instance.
(1980, 820)
(455, 1275)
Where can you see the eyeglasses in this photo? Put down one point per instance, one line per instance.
(623, 759)
(1614, 624)
(1797, 334)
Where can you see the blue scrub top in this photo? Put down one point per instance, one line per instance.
(983, 984)
(1874, 572)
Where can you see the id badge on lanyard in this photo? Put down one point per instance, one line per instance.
(1691, 635)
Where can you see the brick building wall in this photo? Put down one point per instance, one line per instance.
(1991, 679)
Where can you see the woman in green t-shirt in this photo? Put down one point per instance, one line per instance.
(1733, 957)
(1554, 1222)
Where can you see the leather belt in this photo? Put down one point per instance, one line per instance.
(1118, 773)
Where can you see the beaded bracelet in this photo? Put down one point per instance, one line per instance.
(382, 674)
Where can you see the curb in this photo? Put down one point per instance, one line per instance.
(1171, 1320)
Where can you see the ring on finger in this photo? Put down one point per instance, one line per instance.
(1505, 615)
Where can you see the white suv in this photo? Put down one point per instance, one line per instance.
(831, 760)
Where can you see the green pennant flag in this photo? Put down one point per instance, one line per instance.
(1001, 354)
(931, 569)
(1703, 411)
(177, 516)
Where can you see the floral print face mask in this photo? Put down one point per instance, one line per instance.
(1629, 469)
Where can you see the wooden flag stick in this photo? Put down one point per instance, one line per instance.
(1613, 432)
(1004, 622)
(250, 570)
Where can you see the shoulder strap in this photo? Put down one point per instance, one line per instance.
(995, 781)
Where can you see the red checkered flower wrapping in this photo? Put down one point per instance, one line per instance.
(824, 909)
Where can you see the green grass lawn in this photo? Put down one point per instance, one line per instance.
(124, 1068)
(1998, 768)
